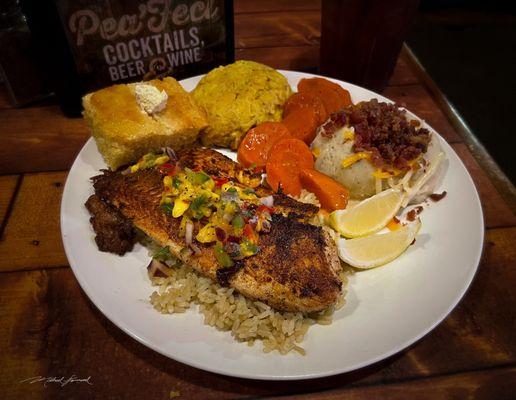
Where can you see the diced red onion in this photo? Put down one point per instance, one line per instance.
(233, 249)
(188, 233)
(195, 249)
(229, 196)
(267, 201)
(266, 226)
(221, 234)
(157, 269)
(170, 153)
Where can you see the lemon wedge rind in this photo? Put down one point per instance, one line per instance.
(369, 216)
(376, 250)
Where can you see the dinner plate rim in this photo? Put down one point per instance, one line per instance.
(372, 360)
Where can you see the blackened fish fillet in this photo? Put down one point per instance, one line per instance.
(296, 268)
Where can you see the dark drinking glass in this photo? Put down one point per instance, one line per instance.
(361, 39)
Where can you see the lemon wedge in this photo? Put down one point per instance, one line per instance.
(368, 216)
(375, 250)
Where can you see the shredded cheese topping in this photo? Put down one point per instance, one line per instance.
(347, 162)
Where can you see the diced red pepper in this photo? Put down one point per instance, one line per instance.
(249, 233)
(168, 169)
(219, 181)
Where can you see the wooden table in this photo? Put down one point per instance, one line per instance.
(49, 328)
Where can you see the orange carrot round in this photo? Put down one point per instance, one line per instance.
(286, 159)
(258, 141)
(333, 96)
(305, 100)
(331, 194)
(302, 124)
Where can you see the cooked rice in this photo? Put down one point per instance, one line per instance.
(227, 310)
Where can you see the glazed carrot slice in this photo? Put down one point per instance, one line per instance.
(305, 100)
(258, 141)
(333, 96)
(302, 124)
(286, 159)
(332, 195)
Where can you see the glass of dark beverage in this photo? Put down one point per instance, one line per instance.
(361, 39)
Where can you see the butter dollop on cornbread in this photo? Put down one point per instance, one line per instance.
(149, 98)
(128, 121)
(238, 97)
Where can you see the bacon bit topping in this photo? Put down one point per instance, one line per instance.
(383, 130)
(438, 196)
(412, 214)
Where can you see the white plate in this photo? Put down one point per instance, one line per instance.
(387, 308)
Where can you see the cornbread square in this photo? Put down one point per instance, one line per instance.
(124, 132)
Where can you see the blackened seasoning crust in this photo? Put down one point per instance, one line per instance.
(225, 274)
(114, 232)
(384, 130)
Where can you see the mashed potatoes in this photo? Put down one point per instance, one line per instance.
(237, 97)
(357, 178)
(373, 147)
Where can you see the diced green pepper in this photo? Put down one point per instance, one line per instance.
(197, 206)
(162, 254)
(167, 208)
(222, 257)
(238, 221)
(248, 248)
(196, 178)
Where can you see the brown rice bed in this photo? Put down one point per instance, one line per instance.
(227, 310)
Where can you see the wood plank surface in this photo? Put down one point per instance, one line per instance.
(39, 139)
(5, 101)
(294, 58)
(65, 334)
(496, 211)
(403, 73)
(499, 383)
(273, 29)
(8, 185)
(31, 237)
(257, 7)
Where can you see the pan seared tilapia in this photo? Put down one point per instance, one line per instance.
(295, 269)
